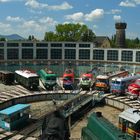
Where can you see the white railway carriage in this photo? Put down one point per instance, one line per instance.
(27, 78)
(129, 122)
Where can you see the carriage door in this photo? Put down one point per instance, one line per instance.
(124, 125)
(137, 136)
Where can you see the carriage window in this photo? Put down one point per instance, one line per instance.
(85, 78)
(51, 78)
(120, 120)
(130, 125)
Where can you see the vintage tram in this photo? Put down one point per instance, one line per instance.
(7, 77)
(27, 78)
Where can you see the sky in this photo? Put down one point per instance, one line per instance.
(35, 17)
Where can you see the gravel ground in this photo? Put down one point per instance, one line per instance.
(108, 112)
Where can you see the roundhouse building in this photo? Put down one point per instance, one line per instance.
(24, 52)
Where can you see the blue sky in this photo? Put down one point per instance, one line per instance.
(35, 17)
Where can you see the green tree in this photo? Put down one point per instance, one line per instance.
(2, 39)
(50, 36)
(70, 32)
(30, 37)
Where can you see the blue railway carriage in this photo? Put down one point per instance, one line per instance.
(27, 78)
(129, 122)
(7, 77)
(14, 117)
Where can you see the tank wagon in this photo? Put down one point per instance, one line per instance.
(7, 77)
(99, 128)
(48, 78)
(27, 78)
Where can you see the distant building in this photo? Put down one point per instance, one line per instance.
(120, 34)
(102, 42)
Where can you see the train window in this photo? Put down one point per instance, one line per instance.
(6, 119)
(130, 125)
(120, 120)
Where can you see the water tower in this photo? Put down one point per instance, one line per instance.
(120, 34)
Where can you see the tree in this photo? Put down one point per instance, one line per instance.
(31, 37)
(2, 39)
(50, 36)
(70, 32)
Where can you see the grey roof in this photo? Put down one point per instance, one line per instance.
(100, 39)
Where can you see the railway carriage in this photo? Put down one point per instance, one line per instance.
(27, 78)
(129, 122)
(99, 128)
(86, 81)
(68, 79)
(14, 117)
(119, 85)
(48, 78)
(7, 77)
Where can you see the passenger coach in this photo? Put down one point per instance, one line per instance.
(27, 78)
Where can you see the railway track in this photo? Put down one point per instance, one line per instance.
(122, 102)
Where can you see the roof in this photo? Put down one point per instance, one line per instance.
(126, 78)
(26, 73)
(6, 72)
(14, 109)
(100, 39)
(102, 77)
(131, 114)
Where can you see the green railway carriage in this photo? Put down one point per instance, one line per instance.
(48, 78)
(98, 128)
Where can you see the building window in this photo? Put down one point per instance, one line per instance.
(12, 44)
(127, 56)
(1, 44)
(27, 44)
(56, 44)
(41, 53)
(112, 55)
(41, 44)
(27, 53)
(98, 54)
(56, 54)
(70, 45)
(70, 54)
(138, 56)
(1, 54)
(12, 54)
(84, 54)
(84, 45)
